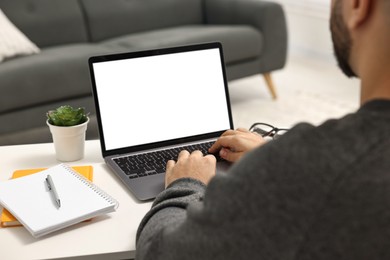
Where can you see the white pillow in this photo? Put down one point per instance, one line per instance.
(12, 41)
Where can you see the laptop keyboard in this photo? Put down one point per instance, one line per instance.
(145, 164)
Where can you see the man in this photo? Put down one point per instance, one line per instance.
(315, 193)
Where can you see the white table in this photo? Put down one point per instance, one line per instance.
(111, 236)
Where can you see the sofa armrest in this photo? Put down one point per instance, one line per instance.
(267, 17)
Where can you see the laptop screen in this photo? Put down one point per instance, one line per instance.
(161, 97)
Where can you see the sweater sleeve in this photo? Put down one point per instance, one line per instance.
(251, 205)
(168, 210)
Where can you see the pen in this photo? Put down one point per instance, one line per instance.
(52, 189)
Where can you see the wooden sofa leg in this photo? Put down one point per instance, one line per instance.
(270, 84)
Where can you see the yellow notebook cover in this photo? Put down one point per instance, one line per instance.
(7, 220)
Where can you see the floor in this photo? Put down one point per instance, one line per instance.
(310, 90)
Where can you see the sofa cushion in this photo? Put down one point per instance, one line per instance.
(239, 42)
(47, 22)
(13, 41)
(57, 73)
(29, 125)
(112, 18)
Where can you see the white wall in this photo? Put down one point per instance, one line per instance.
(308, 26)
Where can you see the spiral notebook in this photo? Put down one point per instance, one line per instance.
(8, 220)
(31, 202)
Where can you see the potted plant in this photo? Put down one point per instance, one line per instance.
(68, 126)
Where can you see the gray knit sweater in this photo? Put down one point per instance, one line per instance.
(315, 193)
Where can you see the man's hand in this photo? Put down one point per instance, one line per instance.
(233, 144)
(193, 165)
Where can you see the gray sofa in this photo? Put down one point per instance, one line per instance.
(68, 32)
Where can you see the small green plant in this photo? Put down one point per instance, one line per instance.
(67, 116)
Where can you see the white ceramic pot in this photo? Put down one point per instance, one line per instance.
(69, 141)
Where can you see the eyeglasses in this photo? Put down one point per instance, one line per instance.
(266, 130)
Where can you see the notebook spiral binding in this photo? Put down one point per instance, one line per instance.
(92, 186)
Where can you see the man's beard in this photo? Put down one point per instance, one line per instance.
(341, 39)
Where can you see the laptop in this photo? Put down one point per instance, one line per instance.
(150, 104)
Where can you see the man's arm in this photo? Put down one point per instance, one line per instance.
(249, 212)
(185, 180)
(168, 212)
(195, 171)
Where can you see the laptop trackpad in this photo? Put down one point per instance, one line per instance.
(148, 187)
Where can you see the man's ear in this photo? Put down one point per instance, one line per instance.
(359, 12)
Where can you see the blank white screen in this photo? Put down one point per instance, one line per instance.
(159, 98)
